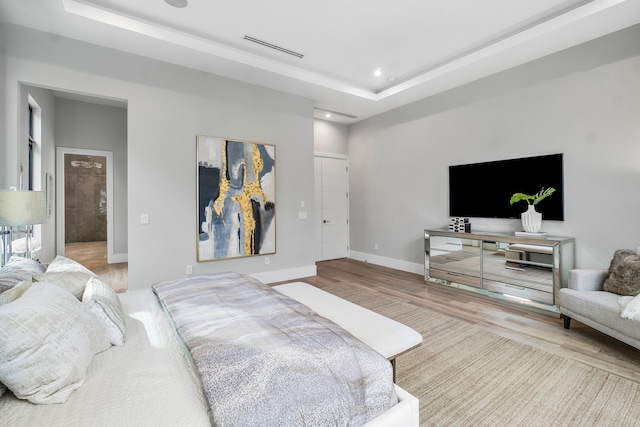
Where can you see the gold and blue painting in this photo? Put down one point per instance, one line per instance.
(236, 198)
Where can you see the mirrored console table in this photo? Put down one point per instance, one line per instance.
(527, 271)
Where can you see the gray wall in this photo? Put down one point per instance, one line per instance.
(45, 150)
(104, 128)
(167, 107)
(5, 146)
(583, 102)
(330, 137)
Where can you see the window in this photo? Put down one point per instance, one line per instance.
(32, 143)
(31, 156)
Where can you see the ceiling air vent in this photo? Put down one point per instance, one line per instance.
(273, 46)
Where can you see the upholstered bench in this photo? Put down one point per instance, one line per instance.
(386, 336)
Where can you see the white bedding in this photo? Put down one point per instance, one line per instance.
(118, 383)
(147, 382)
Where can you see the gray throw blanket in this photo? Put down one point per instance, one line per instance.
(267, 360)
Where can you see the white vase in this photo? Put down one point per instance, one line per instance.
(531, 220)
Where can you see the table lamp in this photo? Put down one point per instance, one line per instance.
(20, 208)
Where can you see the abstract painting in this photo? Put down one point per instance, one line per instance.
(236, 198)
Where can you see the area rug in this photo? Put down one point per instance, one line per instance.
(466, 376)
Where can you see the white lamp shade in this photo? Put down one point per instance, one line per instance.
(22, 207)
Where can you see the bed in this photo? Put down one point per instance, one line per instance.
(142, 373)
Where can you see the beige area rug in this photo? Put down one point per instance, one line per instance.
(465, 376)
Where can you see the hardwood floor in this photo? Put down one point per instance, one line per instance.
(580, 343)
(93, 255)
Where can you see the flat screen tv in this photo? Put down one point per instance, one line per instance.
(483, 190)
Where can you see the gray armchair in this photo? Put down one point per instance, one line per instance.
(586, 301)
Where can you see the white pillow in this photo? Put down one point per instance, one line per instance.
(9, 296)
(630, 307)
(14, 293)
(61, 265)
(47, 341)
(103, 301)
(67, 273)
(72, 281)
(17, 270)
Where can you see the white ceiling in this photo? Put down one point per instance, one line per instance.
(422, 47)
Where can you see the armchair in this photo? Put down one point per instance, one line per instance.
(586, 301)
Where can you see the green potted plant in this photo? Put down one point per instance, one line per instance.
(532, 220)
(535, 199)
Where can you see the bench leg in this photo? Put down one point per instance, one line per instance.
(567, 322)
(393, 366)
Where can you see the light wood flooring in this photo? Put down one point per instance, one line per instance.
(93, 255)
(547, 333)
(580, 343)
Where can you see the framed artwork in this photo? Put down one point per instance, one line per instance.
(236, 193)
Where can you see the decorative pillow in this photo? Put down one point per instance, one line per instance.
(63, 265)
(47, 341)
(14, 293)
(73, 281)
(9, 296)
(103, 301)
(624, 273)
(17, 270)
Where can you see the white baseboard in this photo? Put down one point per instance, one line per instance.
(409, 267)
(118, 258)
(288, 274)
(311, 270)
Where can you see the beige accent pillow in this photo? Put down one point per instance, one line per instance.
(47, 341)
(73, 281)
(103, 301)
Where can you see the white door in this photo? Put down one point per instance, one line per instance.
(332, 208)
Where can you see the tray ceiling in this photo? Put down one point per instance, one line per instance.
(418, 48)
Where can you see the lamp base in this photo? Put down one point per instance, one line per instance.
(5, 231)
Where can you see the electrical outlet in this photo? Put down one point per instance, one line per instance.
(266, 260)
(144, 218)
(189, 270)
(375, 246)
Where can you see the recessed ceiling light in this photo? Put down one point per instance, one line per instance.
(377, 72)
(177, 3)
(327, 115)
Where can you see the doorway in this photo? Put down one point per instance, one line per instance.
(84, 204)
(332, 207)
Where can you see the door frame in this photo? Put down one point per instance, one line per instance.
(319, 208)
(60, 207)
